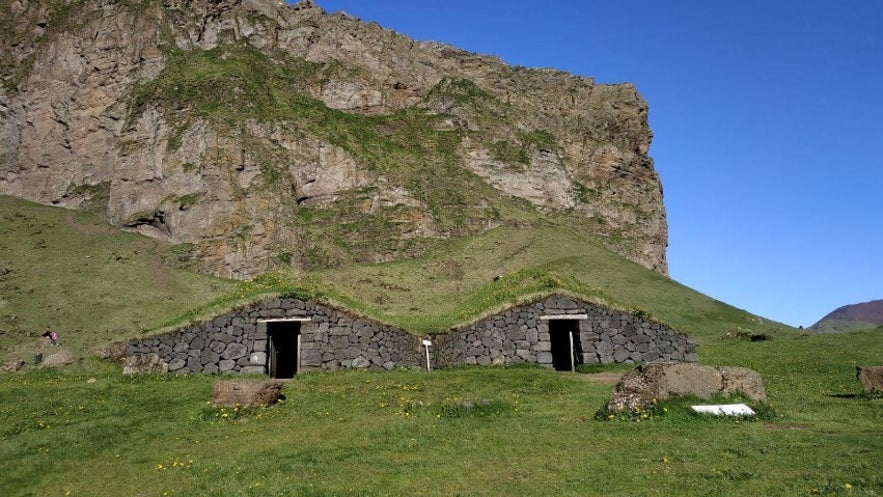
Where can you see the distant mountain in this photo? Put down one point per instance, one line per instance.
(851, 317)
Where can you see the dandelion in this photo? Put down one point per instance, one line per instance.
(848, 486)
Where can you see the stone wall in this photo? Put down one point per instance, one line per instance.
(521, 335)
(238, 342)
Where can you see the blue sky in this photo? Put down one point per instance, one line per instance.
(767, 120)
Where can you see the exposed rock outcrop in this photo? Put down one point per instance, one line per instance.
(263, 134)
(658, 381)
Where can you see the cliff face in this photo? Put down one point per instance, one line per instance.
(253, 134)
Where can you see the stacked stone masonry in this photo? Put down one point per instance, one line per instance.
(521, 335)
(331, 339)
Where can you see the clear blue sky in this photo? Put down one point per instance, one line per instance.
(767, 120)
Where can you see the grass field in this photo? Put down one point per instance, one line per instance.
(406, 433)
(86, 430)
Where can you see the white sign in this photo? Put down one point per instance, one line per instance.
(725, 410)
(426, 343)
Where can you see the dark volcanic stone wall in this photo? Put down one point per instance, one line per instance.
(238, 343)
(521, 334)
(331, 339)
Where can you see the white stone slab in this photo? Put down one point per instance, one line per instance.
(557, 317)
(306, 319)
(725, 410)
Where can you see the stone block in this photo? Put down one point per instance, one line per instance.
(176, 365)
(226, 365)
(544, 357)
(210, 357)
(253, 370)
(246, 393)
(234, 351)
(542, 346)
(620, 354)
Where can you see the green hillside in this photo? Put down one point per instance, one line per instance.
(91, 282)
(96, 284)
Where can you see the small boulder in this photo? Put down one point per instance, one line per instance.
(12, 365)
(742, 380)
(640, 387)
(59, 360)
(145, 364)
(115, 352)
(246, 393)
(871, 378)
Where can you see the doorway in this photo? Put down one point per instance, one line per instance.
(567, 350)
(284, 357)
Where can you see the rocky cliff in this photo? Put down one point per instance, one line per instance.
(252, 134)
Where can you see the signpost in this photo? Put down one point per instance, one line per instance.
(426, 344)
(572, 365)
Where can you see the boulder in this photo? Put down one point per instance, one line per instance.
(145, 364)
(654, 381)
(12, 365)
(115, 352)
(246, 393)
(742, 380)
(871, 378)
(59, 359)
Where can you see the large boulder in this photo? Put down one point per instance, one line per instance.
(656, 381)
(59, 360)
(246, 393)
(871, 378)
(145, 364)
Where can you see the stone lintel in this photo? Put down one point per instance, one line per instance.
(556, 317)
(297, 319)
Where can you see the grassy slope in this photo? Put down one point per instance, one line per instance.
(96, 284)
(91, 282)
(455, 284)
